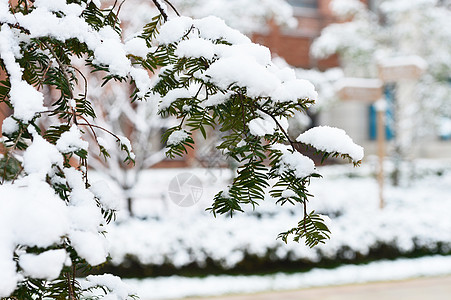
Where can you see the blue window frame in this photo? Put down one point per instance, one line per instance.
(389, 93)
(304, 3)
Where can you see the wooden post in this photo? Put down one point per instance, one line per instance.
(405, 72)
(370, 91)
(381, 152)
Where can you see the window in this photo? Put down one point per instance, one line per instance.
(389, 93)
(304, 3)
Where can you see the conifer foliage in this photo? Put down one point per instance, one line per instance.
(52, 218)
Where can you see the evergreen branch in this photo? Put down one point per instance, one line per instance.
(8, 157)
(17, 26)
(62, 67)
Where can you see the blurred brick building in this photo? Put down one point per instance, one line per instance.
(294, 44)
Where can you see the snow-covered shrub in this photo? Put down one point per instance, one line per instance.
(158, 242)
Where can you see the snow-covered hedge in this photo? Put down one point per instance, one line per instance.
(415, 221)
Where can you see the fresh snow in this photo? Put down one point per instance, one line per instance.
(177, 137)
(217, 99)
(36, 217)
(137, 47)
(196, 47)
(158, 234)
(175, 94)
(240, 63)
(331, 139)
(295, 89)
(48, 156)
(261, 127)
(114, 287)
(70, 141)
(46, 265)
(9, 126)
(103, 192)
(244, 71)
(302, 165)
(400, 269)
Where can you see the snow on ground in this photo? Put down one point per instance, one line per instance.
(179, 287)
(416, 215)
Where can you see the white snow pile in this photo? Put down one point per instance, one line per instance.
(177, 137)
(112, 286)
(70, 141)
(302, 165)
(400, 269)
(265, 124)
(53, 260)
(331, 140)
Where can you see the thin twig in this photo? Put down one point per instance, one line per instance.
(17, 26)
(172, 6)
(118, 10)
(100, 127)
(305, 216)
(243, 115)
(91, 127)
(73, 276)
(84, 78)
(160, 8)
(280, 126)
(45, 73)
(71, 291)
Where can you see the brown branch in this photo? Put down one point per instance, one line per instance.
(100, 127)
(84, 78)
(292, 143)
(243, 114)
(118, 10)
(305, 216)
(17, 26)
(90, 127)
(162, 11)
(69, 286)
(172, 6)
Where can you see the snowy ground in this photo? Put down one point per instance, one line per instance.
(416, 215)
(179, 287)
